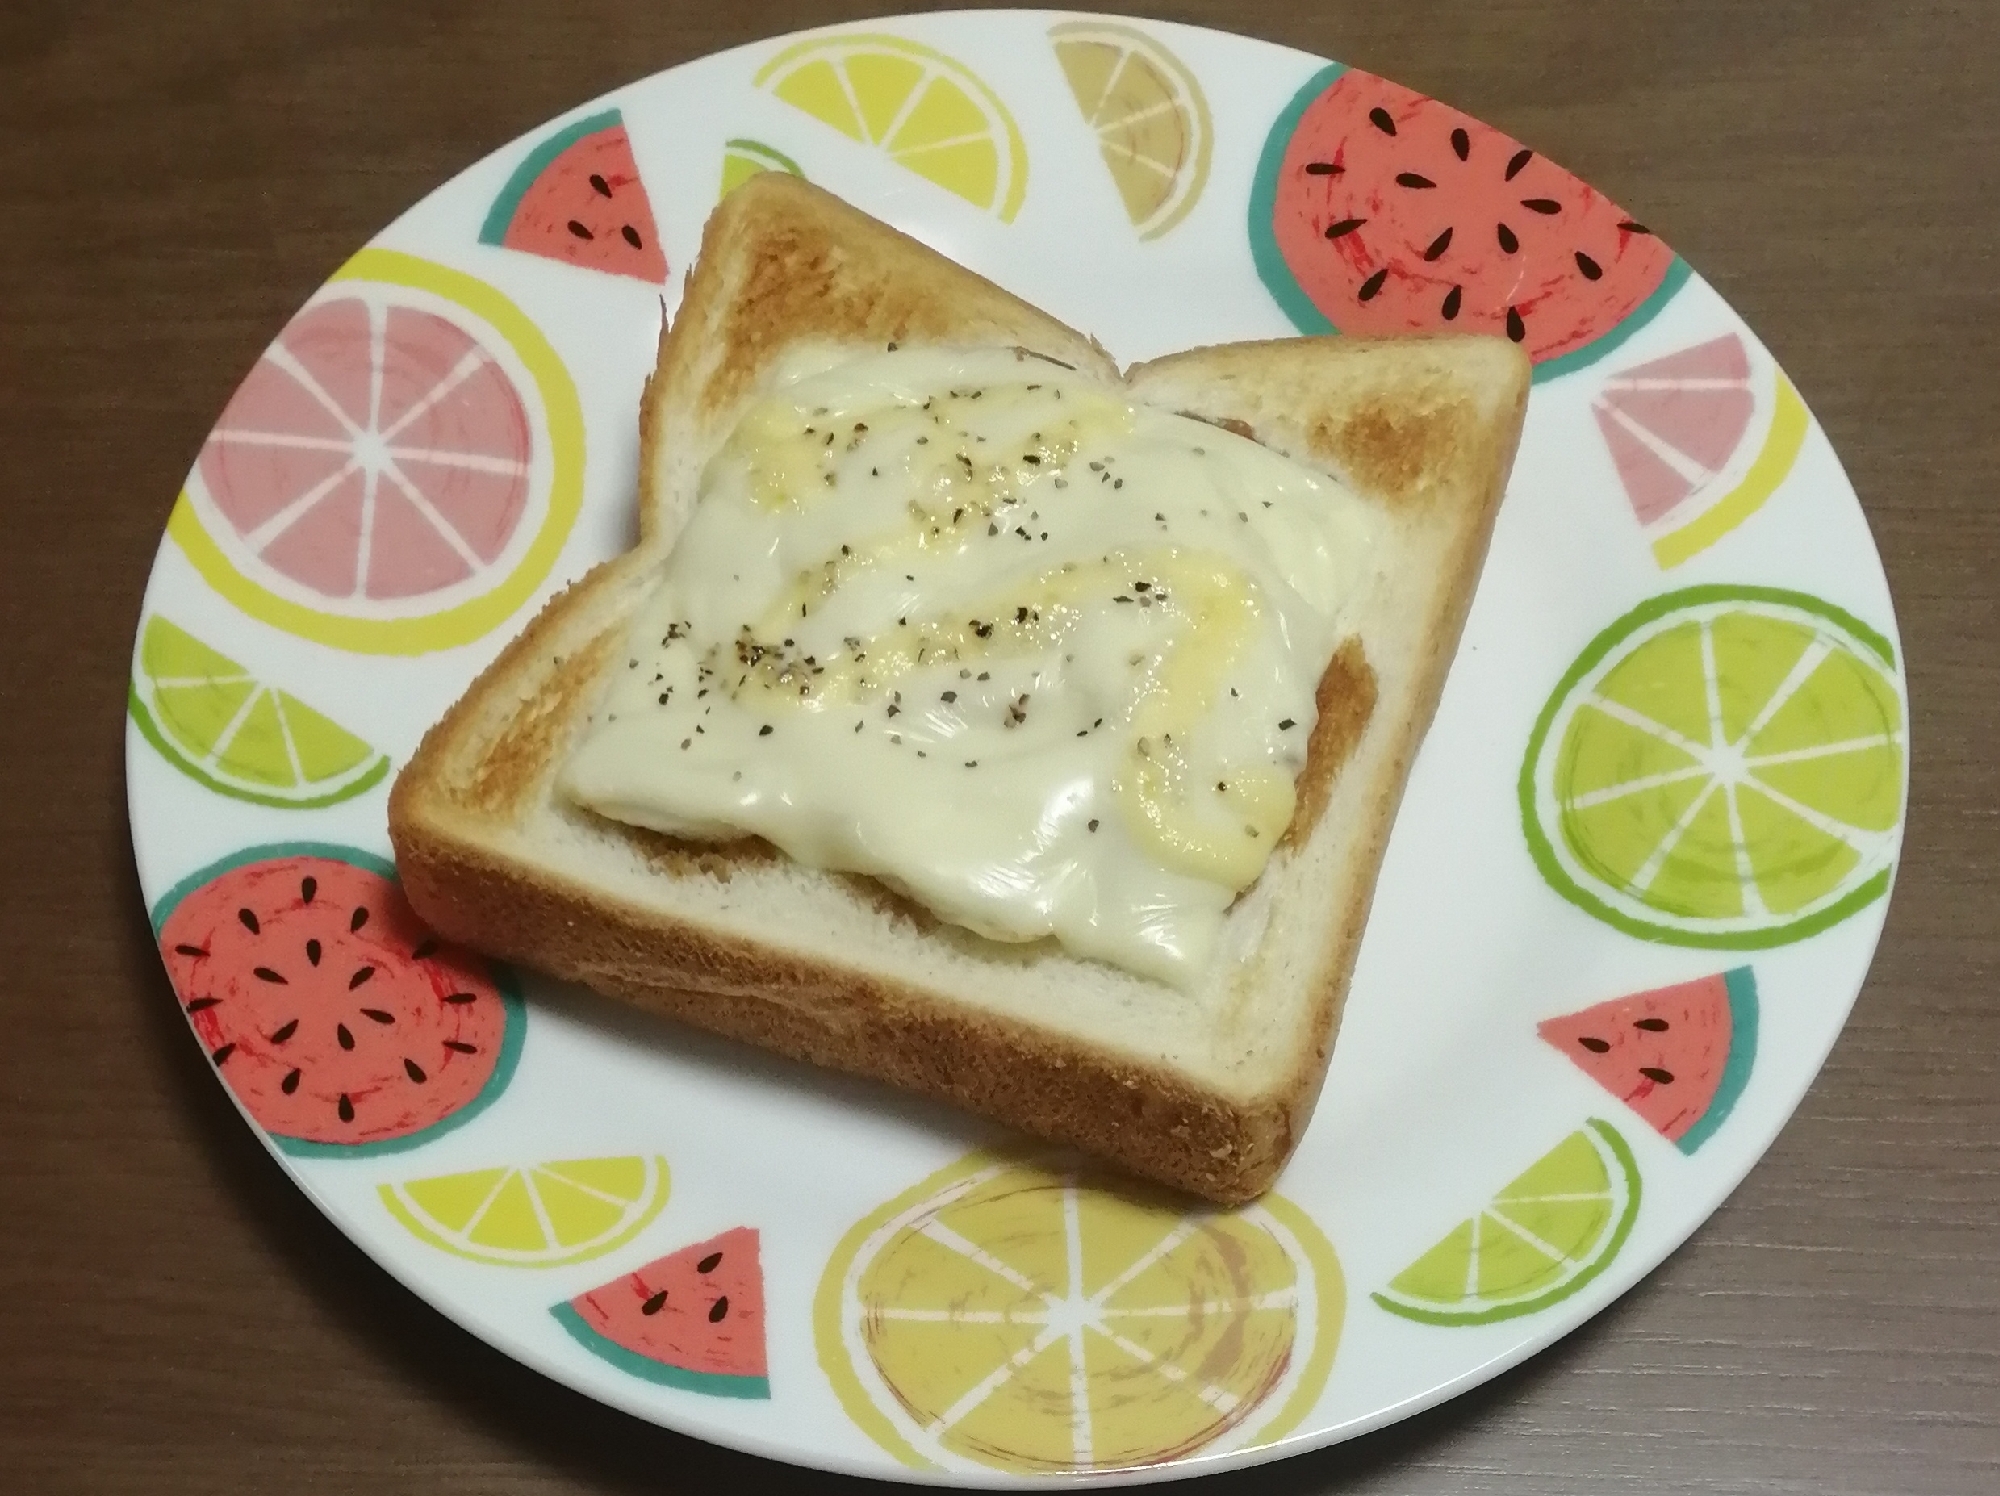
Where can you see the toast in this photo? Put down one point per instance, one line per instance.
(1208, 1090)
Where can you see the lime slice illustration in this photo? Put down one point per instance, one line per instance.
(1723, 767)
(222, 727)
(1549, 1232)
(743, 159)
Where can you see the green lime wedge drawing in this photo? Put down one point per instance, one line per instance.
(743, 159)
(1552, 1229)
(224, 728)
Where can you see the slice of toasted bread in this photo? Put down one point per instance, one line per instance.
(1208, 1090)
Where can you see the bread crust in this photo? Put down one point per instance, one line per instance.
(782, 263)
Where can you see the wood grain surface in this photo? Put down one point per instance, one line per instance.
(175, 179)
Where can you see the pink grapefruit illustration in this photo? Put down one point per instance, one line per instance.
(399, 470)
(1701, 439)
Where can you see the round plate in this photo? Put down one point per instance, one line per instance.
(1631, 894)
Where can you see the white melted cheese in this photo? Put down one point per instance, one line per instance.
(977, 626)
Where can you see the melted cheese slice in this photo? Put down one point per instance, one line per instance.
(979, 627)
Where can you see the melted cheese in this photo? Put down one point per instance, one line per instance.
(975, 625)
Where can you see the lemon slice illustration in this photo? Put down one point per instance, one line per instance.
(924, 110)
(541, 1215)
(1150, 115)
(1011, 1315)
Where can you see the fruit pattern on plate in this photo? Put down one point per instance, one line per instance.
(534, 1215)
(925, 111)
(743, 159)
(1149, 113)
(692, 1320)
(578, 198)
(1722, 767)
(1378, 210)
(237, 735)
(1012, 1312)
(341, 1025)
(398, 472)
(1679, 1056)
(1700, 440)
(1548, 1232)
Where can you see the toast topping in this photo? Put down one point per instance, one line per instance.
(977, 626)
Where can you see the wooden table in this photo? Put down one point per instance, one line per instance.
(175, 180)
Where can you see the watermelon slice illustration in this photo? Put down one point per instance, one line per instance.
(577, 198)
(1701, 439)
(1678, 1056)
(693, 1319)
(342, 1025)
(1377, 210)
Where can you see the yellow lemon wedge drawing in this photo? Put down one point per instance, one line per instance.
(1151, 118)
(538, 1215)
(924, 110)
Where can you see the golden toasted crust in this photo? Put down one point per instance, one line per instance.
(1412, 426)
(1147, 1117)
(782, 263)
(798, 265)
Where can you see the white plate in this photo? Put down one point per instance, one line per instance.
(1686, 515)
